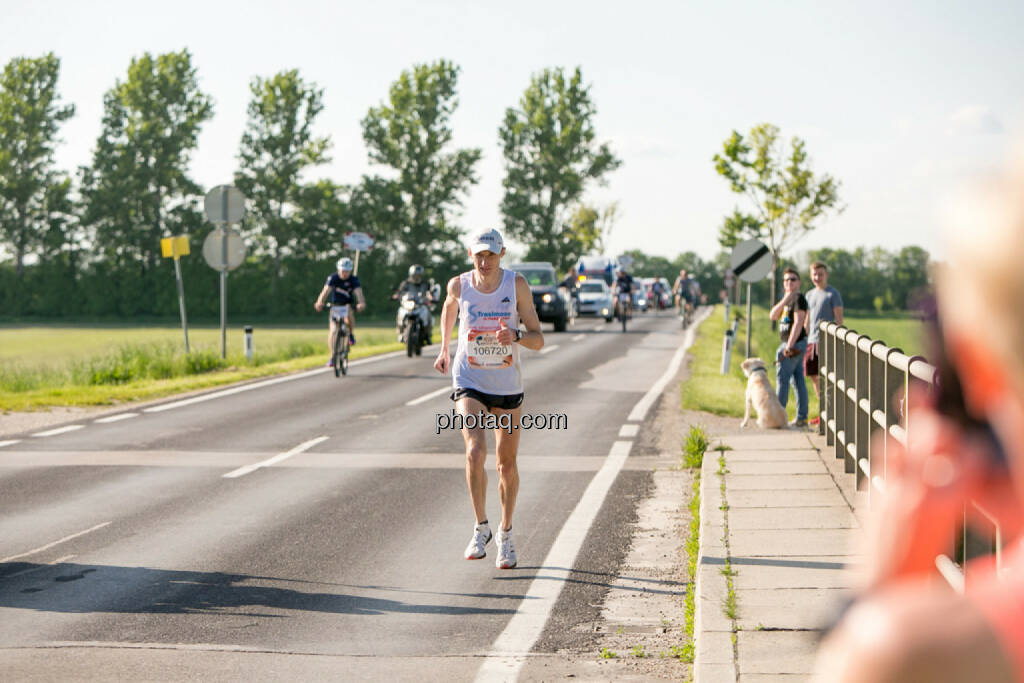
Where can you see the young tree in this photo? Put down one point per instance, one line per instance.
(277, 146)
(137, 189)
(411, 133)
(786, 198)
(32, 192)
(589, 228)
(551, 155)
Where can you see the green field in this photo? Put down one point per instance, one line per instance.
(60, 365)
(712, 392)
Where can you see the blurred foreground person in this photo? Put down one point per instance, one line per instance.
(967, 444)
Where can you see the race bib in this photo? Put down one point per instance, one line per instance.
(484, 351)
(339, 312)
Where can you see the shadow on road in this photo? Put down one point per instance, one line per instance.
(81, 588)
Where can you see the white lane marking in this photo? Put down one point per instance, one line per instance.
(41, 567)
(266, 383)
(578, 337)
(115, 418)
(629, 431)
(427, 397)
(512, 647)
(305, 446)
(548, 349)
(59, 430)
(50, 545)
(9, 443)
(643, 405)
(600, 327)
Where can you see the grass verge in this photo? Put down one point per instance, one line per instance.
(693, 458)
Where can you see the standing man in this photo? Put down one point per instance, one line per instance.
(490, 302)
(342, 287)
(791, 312)
(825, 306)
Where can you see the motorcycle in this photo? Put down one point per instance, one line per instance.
(414, 323)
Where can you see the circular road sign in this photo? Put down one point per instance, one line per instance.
(213, 244)
(358, 241)
(751, 260)
(626, 261)
(224, 204)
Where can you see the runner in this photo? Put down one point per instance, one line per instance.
(490, 302)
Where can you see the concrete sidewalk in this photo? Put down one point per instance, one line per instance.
(788, 528)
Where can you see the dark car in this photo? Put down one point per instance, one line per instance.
(553, 303)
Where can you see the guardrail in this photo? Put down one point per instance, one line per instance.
(865, 388)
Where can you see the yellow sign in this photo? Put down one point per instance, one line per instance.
(173, 247)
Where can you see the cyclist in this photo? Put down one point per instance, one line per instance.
(342, 287)
(624, 285)
(657, 293)
(683, 288)
(415, 285)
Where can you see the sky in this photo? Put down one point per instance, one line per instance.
(902, 102)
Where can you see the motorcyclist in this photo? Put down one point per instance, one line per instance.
(415, 285)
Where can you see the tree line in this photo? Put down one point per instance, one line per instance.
(87, 242)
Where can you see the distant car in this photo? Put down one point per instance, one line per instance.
(553, 303)
(596, 299)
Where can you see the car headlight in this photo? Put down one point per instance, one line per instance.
(604, 311)
(641, 301)
(408, 304)
(546, 298)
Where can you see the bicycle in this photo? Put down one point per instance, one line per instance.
(339, 361)
(623, 308)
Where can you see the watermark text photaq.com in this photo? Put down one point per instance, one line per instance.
(482, 420)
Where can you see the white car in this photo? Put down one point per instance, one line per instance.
(596, 299)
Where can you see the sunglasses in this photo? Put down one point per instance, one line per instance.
(791, 279)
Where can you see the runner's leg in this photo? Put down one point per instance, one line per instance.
(508, 470)
(476, 456)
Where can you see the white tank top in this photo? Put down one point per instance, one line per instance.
(482, 363)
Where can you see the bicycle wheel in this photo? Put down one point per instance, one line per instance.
(343, 354)
(340, 340)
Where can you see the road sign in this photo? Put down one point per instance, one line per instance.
(173, 247)
(750, 260)
(224, 204)
(213, 245)
(625, 261)
(358, 241)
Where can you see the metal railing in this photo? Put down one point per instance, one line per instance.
(865, 388)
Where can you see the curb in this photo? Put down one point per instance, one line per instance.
(714, 660)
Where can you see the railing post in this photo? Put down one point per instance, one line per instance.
(823, 411)
(893, 384)
(837, 402)
(849, 404)
(876, 399)
(862, 438)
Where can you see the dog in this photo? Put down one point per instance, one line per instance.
(760, 395)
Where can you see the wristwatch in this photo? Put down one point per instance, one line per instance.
(519, 335)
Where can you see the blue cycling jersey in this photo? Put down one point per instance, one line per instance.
(342, 288)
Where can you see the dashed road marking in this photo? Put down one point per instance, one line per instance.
(305, 446)
(579, 337)
(427, 397)
(55, 543)
(548, 349)
(59, 430)
(10, 442)
(115, 418)
(629, 431)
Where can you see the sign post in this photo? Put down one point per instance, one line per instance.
(175, 247)
(750, 261)
(223, 248)
(357, 242)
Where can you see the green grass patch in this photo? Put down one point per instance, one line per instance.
(697, 441)
(77, 366)
(710, 391)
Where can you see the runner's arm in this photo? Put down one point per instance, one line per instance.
(448, 314)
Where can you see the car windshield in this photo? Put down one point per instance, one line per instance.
(538, 277)
(591, 288)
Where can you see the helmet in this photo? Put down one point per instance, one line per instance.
(416, 272)
(344, 263)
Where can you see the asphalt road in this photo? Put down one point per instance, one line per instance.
(313, 527)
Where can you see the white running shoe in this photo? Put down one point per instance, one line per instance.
(506, 551)
(477, 548)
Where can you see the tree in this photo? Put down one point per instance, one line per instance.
(411, 133)
(277, 146)
(551, 155)
(737, 227)
(32, 192)
(137, 188)
(786, 198)
(589, 228)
